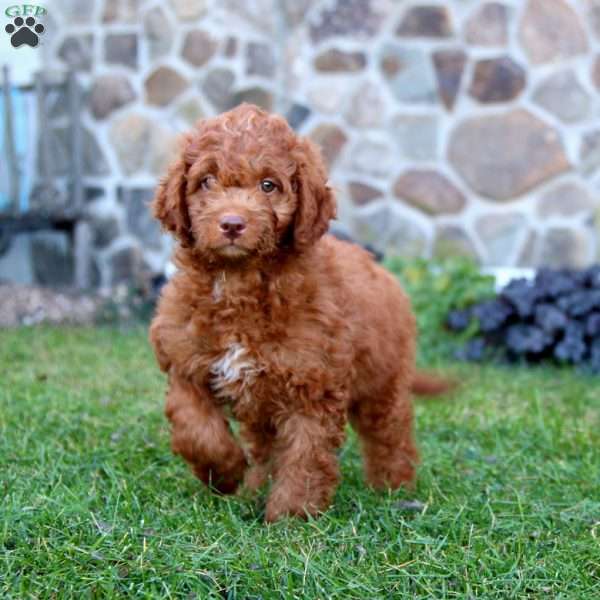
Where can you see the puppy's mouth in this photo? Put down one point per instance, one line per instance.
(232, 249)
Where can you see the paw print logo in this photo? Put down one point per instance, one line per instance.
(24, 32)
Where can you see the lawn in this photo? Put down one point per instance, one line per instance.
(94, 505)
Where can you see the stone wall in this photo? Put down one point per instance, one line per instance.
(461, 126)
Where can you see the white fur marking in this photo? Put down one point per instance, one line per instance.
(217, 291)
(232, 373)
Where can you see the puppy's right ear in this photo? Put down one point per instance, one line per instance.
(170, 203)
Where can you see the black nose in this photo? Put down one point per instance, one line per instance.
(232, 226)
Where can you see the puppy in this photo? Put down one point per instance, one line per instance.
(273, 323)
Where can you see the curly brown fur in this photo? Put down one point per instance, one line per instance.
(289, 331)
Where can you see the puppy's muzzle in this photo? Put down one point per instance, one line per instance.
(232, 226)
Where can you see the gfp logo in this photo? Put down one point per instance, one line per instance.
(24, 29)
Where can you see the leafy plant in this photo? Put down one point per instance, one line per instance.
(436, 288)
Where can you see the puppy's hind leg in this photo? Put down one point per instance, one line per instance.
(385, 429)
(202, 436)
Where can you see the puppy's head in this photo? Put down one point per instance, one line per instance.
(245, 185)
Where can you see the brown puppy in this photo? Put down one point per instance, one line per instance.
(268, 320)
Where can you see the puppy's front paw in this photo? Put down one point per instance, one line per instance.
(224, 477)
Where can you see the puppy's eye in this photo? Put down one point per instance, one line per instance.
(268, 186)
(207, 182)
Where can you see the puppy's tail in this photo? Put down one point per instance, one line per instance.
(428, 384)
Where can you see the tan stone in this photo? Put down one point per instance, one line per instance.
(362, 193)
(497, 80)
(331, 139)
(335, 61)
(163, 85)
(505, 155)
(188, 10)
(488, 25)
(198, 47)
(430, 192)
(130, 137)
(565, 200)
(551, 31)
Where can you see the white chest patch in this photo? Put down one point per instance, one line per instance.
(217, 291)
(233, 373)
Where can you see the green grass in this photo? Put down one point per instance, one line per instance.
(94, 505)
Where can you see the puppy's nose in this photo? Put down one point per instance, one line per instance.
(232, 226)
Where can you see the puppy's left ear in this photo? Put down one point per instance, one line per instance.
(316, 202)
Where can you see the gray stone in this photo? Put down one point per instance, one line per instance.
(362, 193)
(297, 115)
(565, 200)
(529, 253)
(140, 221)
(252, 95)
(367, 106)
(429, 191)
(189, 10)
(497, 80)
(163, 85)
(262, 16)
(358, 19)
(76, 51)
(503, 156)
(429, 21)
(230, 48)
(296, 10)
(198, 47)
(130, 138)
(563, 95)
(593, 16)
(76, 12)
(327, 98)
(388, 231)
(488, 25)
(589, 152)
(566, 248)
(125, 265)
(109, 93)
(91, 193)
(409, 73)
(417, 136)
(105, 230)
(217, 87)
(164, 144)
(158, 32)
(331, 139)
(121, 49)
(52, 257)
(596, 73)
(372, 156)
(452, 240)
(120, 11)
(190, 111)
(500, 234)
(260, 60)
(16, 263)
(340, 61)
(449, 68)
(94, 160)
(551, 31)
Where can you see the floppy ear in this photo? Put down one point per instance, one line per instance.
(316, 202)
(170, 204)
